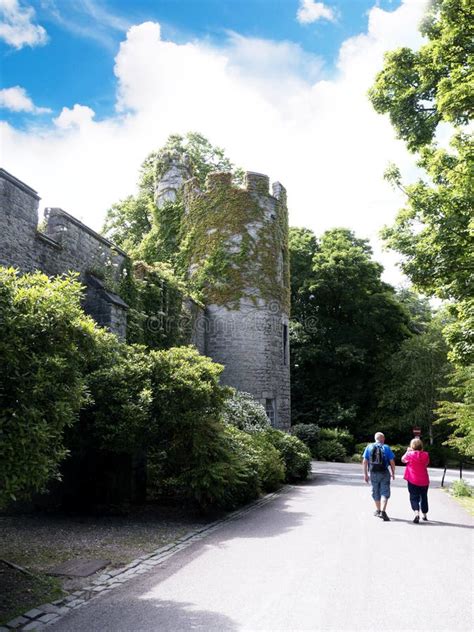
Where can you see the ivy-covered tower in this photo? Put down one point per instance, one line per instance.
(236, 249)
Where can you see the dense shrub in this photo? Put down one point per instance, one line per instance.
(309, 434)
(331, 450)
(44, 337)
(295, 453)
(461, 488)
(242, 411)
(228, 477)
(271, 466)
(341, 435)
(399, 450)
(118, 411)
(185, 423)
(360, 447)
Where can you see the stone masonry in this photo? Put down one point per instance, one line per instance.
(246, 331)
(249, 337)
(66, 244)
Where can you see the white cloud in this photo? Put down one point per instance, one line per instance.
(16, 99)
(79, 116)
(310, 11)
(16, 26)
(319, 137)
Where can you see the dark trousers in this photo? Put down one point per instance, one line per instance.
(418, 497)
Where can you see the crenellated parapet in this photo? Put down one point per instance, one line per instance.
(237, 240)
(236, 250)
(65, 244)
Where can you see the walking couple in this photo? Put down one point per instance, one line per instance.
(378, 458)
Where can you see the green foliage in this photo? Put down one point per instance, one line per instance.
(458, 412)
(117, 415)
(461, 488)
(229, 260)
(154, 234)
(420, 90)
(346, 324)
(271, 466)
(204, 158)
(331, 450)
(399, 450)
(309, 434)
(155, 298)
(303, 246)
(434, 230)
(414, 376)
(296, 455)
(242, 411)
(341, 435)
(325, 444)
(44, 336)
(242, 483)
(129, 220)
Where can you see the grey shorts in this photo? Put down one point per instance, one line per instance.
(380, 484)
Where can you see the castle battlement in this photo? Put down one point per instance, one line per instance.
(65, 244)
(237, 253)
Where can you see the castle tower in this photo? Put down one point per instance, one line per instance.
(173, 175)
(236, 245)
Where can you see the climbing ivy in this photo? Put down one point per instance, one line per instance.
(230, 245)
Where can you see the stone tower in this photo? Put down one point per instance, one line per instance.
(170, 181)
(236, 245)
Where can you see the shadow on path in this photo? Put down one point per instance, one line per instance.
(156, 614)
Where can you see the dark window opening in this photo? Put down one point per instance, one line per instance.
(270, 410)
(285, 344)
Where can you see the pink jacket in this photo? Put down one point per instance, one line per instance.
(416, 471)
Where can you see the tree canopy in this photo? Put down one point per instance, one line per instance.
(427, 94)
(346, 323)
(137, 225)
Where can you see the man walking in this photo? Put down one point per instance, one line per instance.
(377, 458)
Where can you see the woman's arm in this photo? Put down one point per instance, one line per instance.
(406, 456)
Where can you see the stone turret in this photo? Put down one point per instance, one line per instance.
(237, 249)
(172, 177)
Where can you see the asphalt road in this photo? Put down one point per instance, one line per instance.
(314, 558)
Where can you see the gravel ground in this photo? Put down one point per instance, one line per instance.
(39, 542)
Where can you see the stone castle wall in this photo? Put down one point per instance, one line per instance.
(66, 244)
(239, 235)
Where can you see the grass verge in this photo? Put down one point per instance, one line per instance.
(20, 591)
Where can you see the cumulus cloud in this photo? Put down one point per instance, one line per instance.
(78, 116)
(310, 11)
(17, 26)
(320, 137)
(16, 99)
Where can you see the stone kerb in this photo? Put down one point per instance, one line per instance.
(49, 613)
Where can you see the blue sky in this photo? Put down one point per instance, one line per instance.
(89, 87)
(76, 64)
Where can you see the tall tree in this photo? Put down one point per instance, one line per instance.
(347, 323)
(414, 376)
(421, 90)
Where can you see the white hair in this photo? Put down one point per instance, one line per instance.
(379, 435)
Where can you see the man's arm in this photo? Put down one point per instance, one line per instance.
(392, 467)
(365, 464)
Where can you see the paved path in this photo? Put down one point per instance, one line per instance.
(314, 558)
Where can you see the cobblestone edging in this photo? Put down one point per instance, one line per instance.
(48, 613)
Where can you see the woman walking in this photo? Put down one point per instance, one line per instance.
(416, 475)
